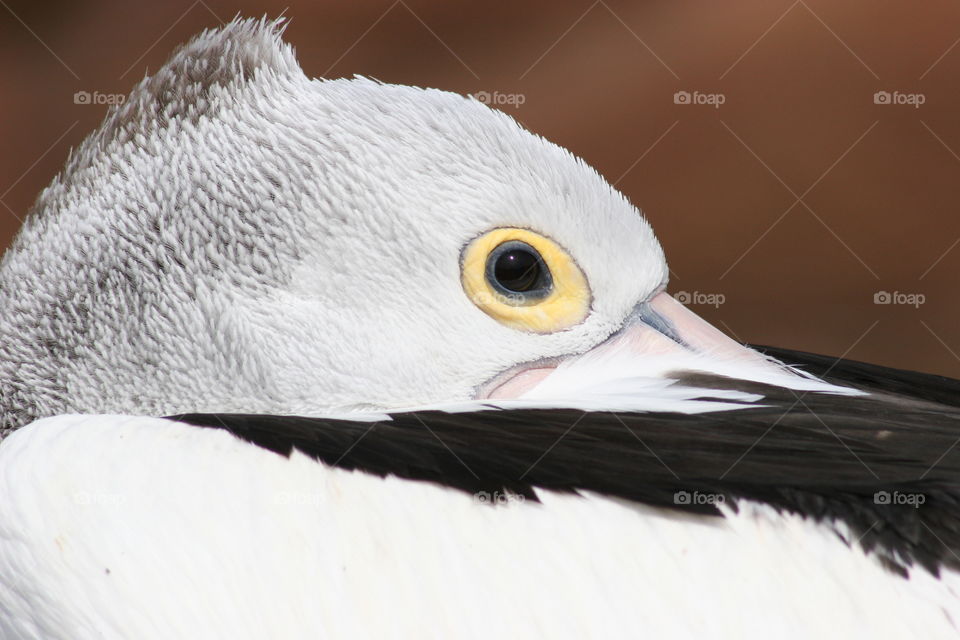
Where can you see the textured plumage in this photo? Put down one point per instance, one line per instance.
(828, 458)
(232, 206)
(367, 440)
(166, 530)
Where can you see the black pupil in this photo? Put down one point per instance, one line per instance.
(518, 270)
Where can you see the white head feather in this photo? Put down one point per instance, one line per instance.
(239, 237)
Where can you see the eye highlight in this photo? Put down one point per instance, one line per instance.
(524, 280)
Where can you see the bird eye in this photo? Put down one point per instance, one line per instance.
(524, 280)
(515, 269)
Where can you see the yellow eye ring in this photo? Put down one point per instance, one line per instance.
(524, 280)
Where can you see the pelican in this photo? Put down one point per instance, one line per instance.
(285, 358)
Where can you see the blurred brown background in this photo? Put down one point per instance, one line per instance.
(794, 202)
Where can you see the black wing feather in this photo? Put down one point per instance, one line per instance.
(823, 456)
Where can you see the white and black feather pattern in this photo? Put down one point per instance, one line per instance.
(277, 261)
(246, 525)
(829, 458)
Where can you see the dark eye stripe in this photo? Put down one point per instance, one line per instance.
(517, 271)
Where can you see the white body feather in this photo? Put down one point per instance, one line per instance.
(145, 528)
